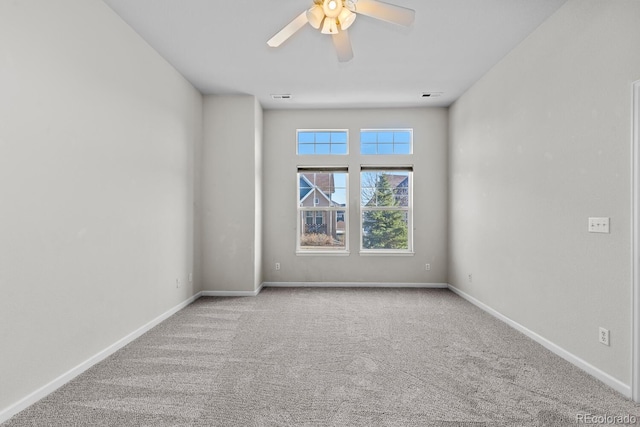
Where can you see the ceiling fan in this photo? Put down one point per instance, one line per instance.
(335, 16)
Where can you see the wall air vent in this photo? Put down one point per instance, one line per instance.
(281, 96)
(430, 94)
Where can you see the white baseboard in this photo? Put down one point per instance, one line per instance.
(612, 382)
(232, 293)
(352, 285)
(49, 388)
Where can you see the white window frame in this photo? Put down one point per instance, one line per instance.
(298, 131)
(300, 250)
(410, 130)
(409, 210)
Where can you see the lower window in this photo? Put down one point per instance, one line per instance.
(385, 200)
(322, 210)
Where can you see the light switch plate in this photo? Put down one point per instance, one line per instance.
(599, 225)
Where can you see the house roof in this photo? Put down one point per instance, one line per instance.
(396, 180)
(323, 181)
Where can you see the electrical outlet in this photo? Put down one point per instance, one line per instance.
(470, 278)
(603, 336)
(277, 266)
(427, 267)
(599, 225)
(178, 284)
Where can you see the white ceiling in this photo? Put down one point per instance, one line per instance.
(220, 47)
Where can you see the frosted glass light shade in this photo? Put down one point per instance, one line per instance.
(330, 26)
(315, 15)
(346, 18)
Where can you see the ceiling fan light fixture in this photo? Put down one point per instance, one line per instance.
(332, 8)
(335, 16)
(315, 15)
(330, 26)
(346, 18)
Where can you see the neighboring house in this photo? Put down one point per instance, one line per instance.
(315, 191)
(399, 186)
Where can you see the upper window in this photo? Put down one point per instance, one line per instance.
(386, 210)
(386, 141)
(322, 141)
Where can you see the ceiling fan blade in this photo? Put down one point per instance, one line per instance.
(289, 30)
(386, 12)
(343, 46)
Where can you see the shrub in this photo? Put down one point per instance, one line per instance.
(316, 239)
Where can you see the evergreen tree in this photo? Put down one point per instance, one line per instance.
(384, 229)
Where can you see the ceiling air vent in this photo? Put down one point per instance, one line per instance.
(430, 94)
(281, 96)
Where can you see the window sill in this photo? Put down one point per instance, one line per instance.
(322, 253)
(387, 253)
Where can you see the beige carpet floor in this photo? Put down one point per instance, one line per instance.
(330, 357)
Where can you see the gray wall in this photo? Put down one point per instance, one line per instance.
(430, 196)
(97, 142)
(231, 194)
(538, 145)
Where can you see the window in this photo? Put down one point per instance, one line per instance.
(386, 209)
(386, 204)
(322, 210)
(386, 141)
(322, 141)
(313, 218)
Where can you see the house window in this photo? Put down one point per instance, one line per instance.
(322, 210)
(386, 210)
(386, 141)
(313, 218)
(323, 141)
